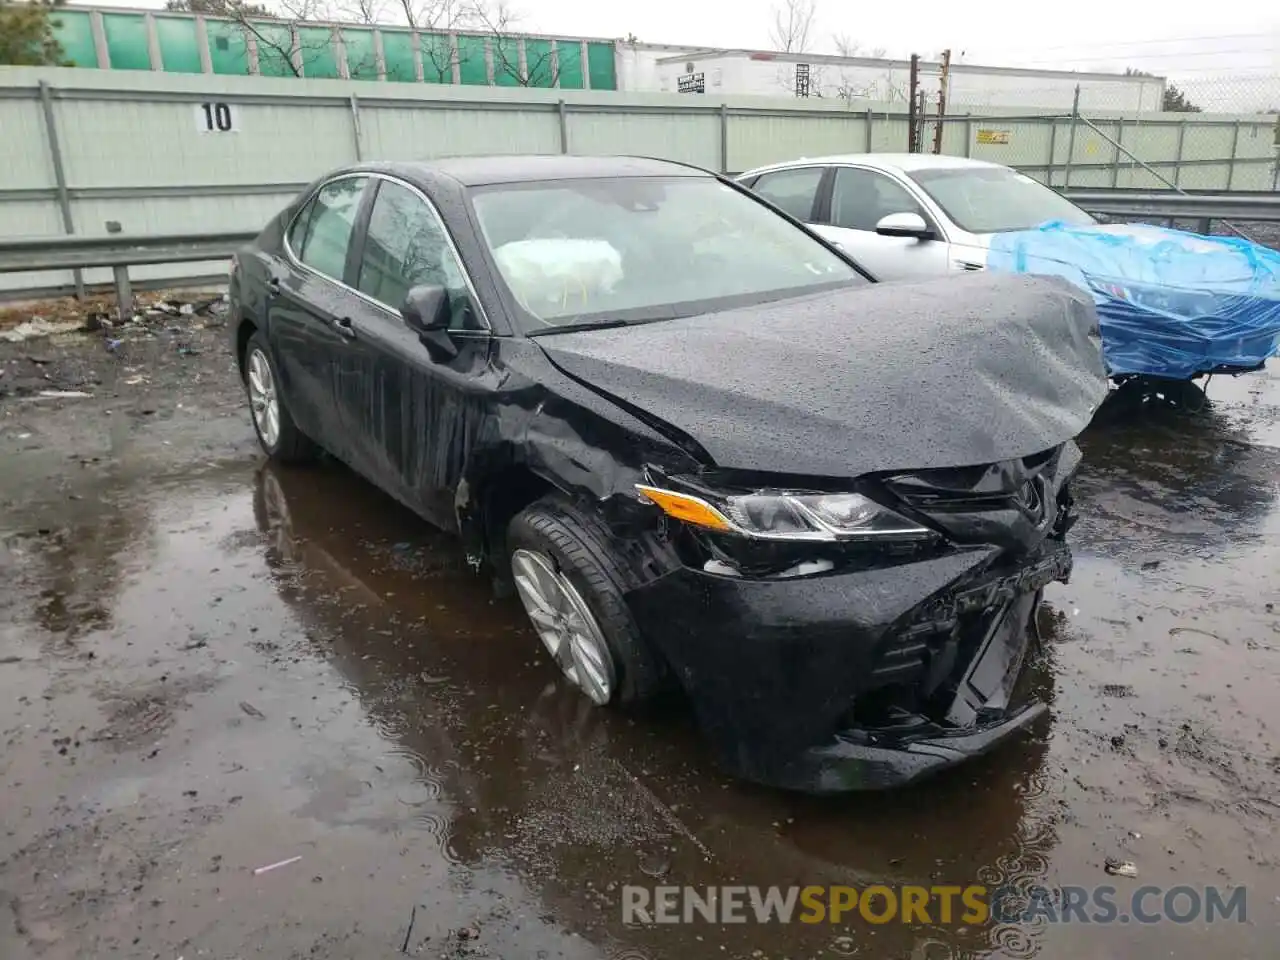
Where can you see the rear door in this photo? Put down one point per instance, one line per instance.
(414, 418)
(795, 189)
(310, 305)
(859, 199)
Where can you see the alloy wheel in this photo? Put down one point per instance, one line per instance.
(263, 398)
(565, 623)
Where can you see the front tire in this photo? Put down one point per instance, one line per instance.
(279, 435)
(571, 583)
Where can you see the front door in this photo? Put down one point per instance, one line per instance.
(861, 198)
(308, 309)
(414, 418)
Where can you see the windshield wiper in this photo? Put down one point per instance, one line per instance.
(577, 327)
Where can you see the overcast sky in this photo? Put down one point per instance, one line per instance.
(1191, 39)
(1194, 37)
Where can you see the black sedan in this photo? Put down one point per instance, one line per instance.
(705, 449)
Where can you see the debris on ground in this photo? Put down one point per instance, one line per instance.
(1117, 690)
(1120, 868)
(39, 327)
(252, 711)
(30, 320)
(275, 866)
(61, 368)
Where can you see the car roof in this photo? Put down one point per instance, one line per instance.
(892, 162)
(484, 170)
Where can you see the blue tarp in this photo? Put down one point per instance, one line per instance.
(1172, 304)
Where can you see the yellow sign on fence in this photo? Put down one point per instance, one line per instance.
(993, 136)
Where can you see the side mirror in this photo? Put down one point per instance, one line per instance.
(426, 309)
(427, 312)
(904, 225)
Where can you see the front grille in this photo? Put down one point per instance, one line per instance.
(1011, 504)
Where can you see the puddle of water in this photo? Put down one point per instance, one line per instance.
(407, 737)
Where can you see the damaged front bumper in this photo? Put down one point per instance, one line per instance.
(857, 679)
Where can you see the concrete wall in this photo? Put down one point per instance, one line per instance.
(137, 147)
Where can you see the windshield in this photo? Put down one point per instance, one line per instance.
(639, 248)
(996, 199)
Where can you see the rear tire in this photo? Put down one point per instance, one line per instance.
(279, 435)
(572, 584)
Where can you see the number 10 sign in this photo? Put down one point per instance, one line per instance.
(216, 117)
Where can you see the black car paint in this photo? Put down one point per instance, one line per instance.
(840, 400)
(772, 665)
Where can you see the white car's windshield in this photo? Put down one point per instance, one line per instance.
(996, 199)
(641, 248)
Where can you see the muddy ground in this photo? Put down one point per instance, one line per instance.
(208, 666)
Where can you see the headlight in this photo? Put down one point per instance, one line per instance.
(787, 515)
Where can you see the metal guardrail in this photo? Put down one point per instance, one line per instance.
(119, 252)
(1203, 207)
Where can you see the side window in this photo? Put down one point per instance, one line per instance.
(405, 247)
(862, 198)
(298, 231)
(792, 190)
(327, 233)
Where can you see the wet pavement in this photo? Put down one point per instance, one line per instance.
(208, 666)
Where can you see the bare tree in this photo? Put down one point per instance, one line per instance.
(285, 36)
(437, 19)
(440, 14)
(792, 27)
(499, 21)
(218, 8)
(362, 11)
(846, 46)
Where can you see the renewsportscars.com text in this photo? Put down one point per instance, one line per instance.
(940, 904)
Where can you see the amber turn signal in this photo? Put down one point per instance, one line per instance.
(684, 507)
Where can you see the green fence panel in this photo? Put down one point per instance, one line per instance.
(318, 59)
(74, 32)
(275, 46)
(538, 63)
(601, 67)
(570, 52)
(397, 52)
(362, 62)
(127, 48)
(506, 61)
(179, 51)
(437, 63)
(471, 60)
(227, 49)
(127, 41)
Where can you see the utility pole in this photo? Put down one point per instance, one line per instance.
(942, 99)
(911, 103)
(922, 109)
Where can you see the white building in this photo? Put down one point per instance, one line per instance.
(673, 69)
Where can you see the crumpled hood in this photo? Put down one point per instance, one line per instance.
(896, 376)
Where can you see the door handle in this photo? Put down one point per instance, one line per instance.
(273, 284)
(344, 327)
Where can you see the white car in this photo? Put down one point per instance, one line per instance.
(911, 215)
